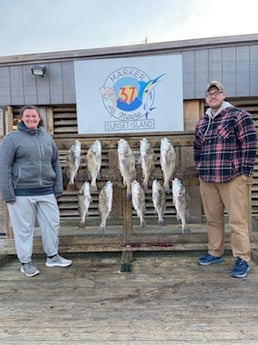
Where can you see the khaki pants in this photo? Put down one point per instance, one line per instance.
(234, 197)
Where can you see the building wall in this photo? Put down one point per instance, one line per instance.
(232, 60)
(236, 67)
(18, 86)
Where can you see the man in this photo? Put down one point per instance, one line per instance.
(225, 144)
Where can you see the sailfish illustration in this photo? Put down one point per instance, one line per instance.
(145, 94)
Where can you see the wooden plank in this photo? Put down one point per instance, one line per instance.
(9, 119)
(3, 218)
(5, 227)
(2, 122)
(49, 120)
(70, 129)
(63, 114)
(167, 299)
(192, 112)
(75, 240)
(127, 217)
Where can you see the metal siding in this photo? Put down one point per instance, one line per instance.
(5, 86)
(243, 71)
(233, 66)
(201, 68)
(188, 61)
(229, 70)
(29, 82)
(68, 82)
(43, 90)
(56, 85)
(215, 70)
(254, 70)
(17, 87)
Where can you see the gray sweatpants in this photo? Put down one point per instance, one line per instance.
(23, 214)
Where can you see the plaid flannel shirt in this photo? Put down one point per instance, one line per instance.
(225, 146)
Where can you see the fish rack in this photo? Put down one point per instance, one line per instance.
(123, 229)
(109, 171)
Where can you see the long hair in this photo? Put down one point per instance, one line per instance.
(41, 121)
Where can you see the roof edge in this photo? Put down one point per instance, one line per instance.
(179, 45)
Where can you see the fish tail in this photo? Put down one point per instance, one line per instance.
(186, 229)
(70, 186)
(93, 186)
(161, 222)
(102, 226)
(142, 223)
(166, 186)
(145, 185)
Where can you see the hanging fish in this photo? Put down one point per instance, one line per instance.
(147, 159)
(73, 162)
(84, 199)
(93, 159)
(138, 201)
(105, 203)
(159, 200)
(126, 163)
(167, 161)
(181, 202)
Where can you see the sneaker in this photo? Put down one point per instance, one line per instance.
(240, 269)
(58, 261)
(29, 269)
(209, 259)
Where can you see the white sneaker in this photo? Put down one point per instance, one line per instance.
(58, 261)
(29, 269)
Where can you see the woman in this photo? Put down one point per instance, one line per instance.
(30, 181)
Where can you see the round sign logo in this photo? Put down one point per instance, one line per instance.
(128, 94)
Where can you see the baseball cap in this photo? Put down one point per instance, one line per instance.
(216, 84)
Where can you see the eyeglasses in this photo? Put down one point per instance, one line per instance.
(215, 94)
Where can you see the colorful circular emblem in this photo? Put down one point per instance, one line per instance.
(128, 93)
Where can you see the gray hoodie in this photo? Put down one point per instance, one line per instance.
(29, 159)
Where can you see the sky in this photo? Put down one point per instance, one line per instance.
(33, 26)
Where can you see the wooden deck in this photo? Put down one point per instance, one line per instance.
(166, 299)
